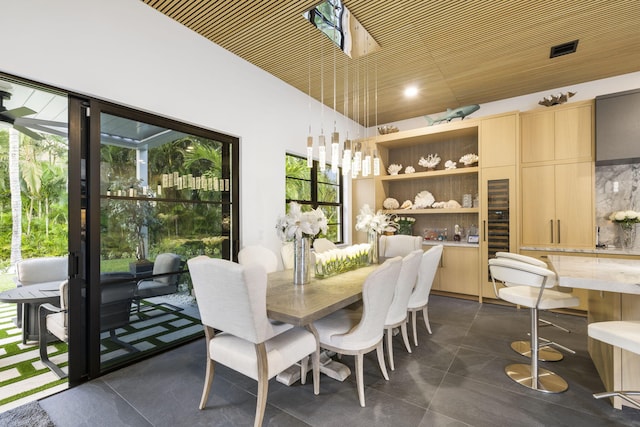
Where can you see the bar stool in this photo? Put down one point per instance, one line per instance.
(545, 353)
(624, 334)
(530, 288)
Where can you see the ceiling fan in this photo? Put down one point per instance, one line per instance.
(14, 115)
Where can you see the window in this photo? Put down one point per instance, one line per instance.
(314, 188)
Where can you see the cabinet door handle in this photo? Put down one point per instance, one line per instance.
(484, 228)
(551, 224)
(558, 231)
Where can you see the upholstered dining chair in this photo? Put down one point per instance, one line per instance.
(322, 245)
(115, 312)
(286, 252)
(622, 334)
(256, 254)
(531, 286)
(161, 283)
(398, 310)
(233, 308)
(357, 333)
(546, 353)
(398, 245)
(419, 299)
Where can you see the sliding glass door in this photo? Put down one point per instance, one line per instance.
(155, 193)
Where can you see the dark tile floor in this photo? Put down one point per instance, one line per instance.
(454, 377)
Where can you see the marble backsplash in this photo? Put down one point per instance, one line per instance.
(608, 201)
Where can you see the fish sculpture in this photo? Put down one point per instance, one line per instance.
(451, 114)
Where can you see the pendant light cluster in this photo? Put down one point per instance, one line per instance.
(353, 155)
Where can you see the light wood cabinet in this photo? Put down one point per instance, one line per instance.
(499, 141)
(560, 133)
(458, 271)
(558, 205)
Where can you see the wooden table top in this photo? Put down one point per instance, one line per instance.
(302, 304)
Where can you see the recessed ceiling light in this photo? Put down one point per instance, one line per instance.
(410, 91)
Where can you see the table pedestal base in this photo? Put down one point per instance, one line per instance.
(328, 366)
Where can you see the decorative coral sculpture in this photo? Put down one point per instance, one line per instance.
(448, 165)
(469, 159)
(390, 203)
(407, 204)
(430, 162)
(424, 199)
(409, 169)
(394, 169)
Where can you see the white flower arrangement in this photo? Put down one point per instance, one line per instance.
(368, 220)
(431, 161)
(393, 169)
(625, 218)
(469, 159)
(390, 203)
(297, 224)
(448, 165)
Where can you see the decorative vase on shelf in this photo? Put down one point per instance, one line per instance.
(301, 261)
(627, 235)
(372, 237)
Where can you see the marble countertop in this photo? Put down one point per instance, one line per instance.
(449, 243)
(600, 274)
(605, 251)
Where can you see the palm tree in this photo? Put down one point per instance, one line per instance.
(16, 200)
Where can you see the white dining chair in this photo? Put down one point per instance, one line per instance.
(233, 308)
(398, 245)
(398, 310)
(357, 333)
(256, 254)
(546, 353)
(531, 286)
(419, 299)
(323, 245)
(625, 335)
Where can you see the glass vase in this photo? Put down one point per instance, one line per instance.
(372, 237)
(627, 235)
(301, 261)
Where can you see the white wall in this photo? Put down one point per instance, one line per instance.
(126, 52)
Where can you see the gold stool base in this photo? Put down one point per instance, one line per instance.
(548, 382)
(545, 354)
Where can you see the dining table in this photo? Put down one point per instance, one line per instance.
(614, 294)
(301, 305)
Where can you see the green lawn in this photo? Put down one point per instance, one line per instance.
(6, 281)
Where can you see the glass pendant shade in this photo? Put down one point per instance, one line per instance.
(322, 153)
(309, 151)
(335, 151)
(346, 158)
(376, 163)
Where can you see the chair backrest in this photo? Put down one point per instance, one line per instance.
(522, 258)
(518, 273)
(376, 299)
(426, 273)
(286, 251)
(40, 270)
(167, 263)
(398, 245)
(404, 286)
(322, 245)
(232, 297)
(256, 254)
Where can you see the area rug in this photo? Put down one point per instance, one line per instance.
(28, 415)
(23, 378)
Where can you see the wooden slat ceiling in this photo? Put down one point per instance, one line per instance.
(457, 52)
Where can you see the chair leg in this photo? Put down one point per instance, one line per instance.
(315, 363)
(413, 327)
(405, 336)
(208, 381)
(263, 383)
(622, 395)
(359, 376)
(304, 363)
(425, 315)
(383, 367)
(42, 344)
(388, 332)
